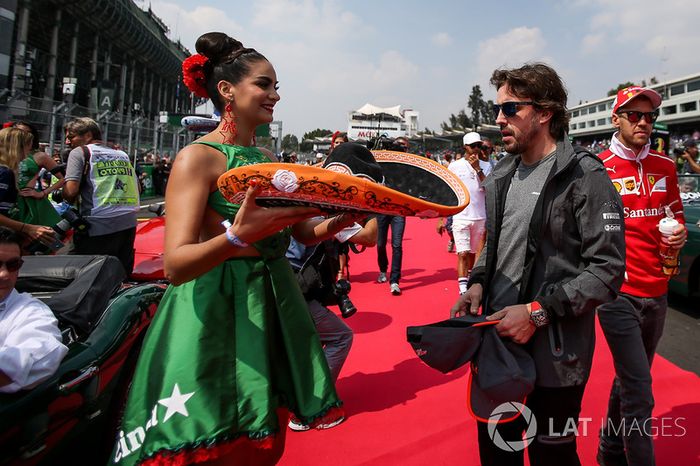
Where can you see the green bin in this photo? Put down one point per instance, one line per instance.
(148, 190)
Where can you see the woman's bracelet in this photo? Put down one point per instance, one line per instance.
(232, 237)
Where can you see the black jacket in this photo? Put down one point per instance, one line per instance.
(575, 258)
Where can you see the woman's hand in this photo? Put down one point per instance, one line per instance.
(31, 192)
(253, 223)
(38, 232)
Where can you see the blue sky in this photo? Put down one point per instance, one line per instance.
(333, 56)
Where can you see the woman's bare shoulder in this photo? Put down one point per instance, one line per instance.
(268, 154)
(198, 158)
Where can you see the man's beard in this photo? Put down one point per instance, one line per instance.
(524, 141)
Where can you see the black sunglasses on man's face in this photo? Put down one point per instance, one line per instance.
(509, 109)
(13, 265)
(633, 116)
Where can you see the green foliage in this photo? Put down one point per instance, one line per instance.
(290, 142)
(305, 145)
(317, 133)
(476, 104)
(463, 120)
(620, 86)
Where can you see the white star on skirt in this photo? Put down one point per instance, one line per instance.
(175, 403)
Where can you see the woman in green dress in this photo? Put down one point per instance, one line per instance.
(33, 205)
(232, 348)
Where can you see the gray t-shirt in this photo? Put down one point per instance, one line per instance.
(98, 226)
(525, 188)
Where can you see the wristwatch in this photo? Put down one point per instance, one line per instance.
(480, 172)
(538, 316)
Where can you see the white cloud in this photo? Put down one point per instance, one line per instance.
(321, 21)
(313, 47)
(511, 48)
(188, 25)
(665, 35)
(591, 43)
(441, 39)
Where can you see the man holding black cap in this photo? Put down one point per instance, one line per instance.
(633, 323)
(554, 252)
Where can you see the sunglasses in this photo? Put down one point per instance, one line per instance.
(634, 116)
(13, 265)
(476, 145)
(509, 109)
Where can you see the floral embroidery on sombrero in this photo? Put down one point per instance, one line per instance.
(285, 181)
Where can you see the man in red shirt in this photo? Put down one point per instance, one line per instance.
(633, 323)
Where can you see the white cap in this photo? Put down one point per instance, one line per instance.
(471, 138)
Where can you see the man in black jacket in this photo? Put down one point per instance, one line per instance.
(555, 250)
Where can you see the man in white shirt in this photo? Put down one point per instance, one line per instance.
(30, 341)
(468, 226)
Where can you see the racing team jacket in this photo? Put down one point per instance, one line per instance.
(647, 183)
(574, 258)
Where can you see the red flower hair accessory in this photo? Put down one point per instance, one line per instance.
(193, 74)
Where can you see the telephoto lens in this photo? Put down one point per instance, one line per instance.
(341, 289)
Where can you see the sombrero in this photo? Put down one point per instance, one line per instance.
(351, 181)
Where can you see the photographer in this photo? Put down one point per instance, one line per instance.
(103, 181)
(691, 157)
(316, 269)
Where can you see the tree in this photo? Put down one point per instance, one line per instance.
(476, 104)
(453, 121)
(620, 86)
(487, 115)
(317, 133)
(653, 80)
(463, 120)
(290, 142)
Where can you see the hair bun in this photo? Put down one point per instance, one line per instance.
(216, 45)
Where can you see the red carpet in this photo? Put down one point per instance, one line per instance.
(401, 412)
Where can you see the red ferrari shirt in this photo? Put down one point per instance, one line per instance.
(647, 183)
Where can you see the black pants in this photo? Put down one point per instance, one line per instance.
(633, 327)
(556, 410)
(119, 245)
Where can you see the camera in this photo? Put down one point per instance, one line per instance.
(341, 289)
(70, 219)
(679, 150)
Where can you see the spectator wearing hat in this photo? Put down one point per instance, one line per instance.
(633, 323)
(690, 154)
(468, 226)
(554, 252)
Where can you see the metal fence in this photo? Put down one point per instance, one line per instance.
(135, 134)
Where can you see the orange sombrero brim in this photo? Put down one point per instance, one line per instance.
(284, 184)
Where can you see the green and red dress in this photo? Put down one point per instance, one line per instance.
(224, 353)
(29, 209)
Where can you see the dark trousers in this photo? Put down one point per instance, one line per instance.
(335, 336)
(555, 410)
(398, 224)
(633, 328)
(119, 245)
